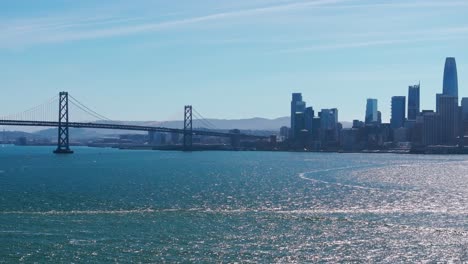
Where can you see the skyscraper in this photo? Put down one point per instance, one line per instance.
(398, 112)
(450, 85)
(297, 106)
(371, 111)
(413, 101)
(430, 128)
(328, 118)
(328, 124)
(309, 118)
(464, 109)
(448, 110)
(299, 123)
(447, 104)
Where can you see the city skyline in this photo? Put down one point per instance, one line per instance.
(154, 58)
(440, 130)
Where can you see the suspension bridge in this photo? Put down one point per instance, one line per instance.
(69, 107)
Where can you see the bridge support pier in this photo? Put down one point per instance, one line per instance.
(63, 146)
(188, 133)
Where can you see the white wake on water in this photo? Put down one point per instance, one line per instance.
(302, 175)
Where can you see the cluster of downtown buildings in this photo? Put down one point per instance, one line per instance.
(410, 128)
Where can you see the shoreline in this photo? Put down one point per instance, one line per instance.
(437, 150)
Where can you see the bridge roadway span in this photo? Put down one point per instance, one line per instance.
(124, 127)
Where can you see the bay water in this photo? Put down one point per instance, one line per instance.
(108, 205)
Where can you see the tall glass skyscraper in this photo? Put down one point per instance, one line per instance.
(309, 118)
(450, 87)
(398, 112)
(297, 106)
(371, 111)
(413, 101)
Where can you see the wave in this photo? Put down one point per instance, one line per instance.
(311, 211)
(302, 175)
(88, 212)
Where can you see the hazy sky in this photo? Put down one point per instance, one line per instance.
(144, 60)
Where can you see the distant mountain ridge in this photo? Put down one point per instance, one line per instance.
(256, 123)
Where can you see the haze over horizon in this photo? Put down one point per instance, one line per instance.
(144, 60)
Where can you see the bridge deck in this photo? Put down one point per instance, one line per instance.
(124, 127)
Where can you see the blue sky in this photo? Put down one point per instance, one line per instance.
(144, 60)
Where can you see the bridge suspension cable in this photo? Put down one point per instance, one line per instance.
(203, 120)
(91, 113)
(46, 111)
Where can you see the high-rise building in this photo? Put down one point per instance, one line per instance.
(328, 118)
(299, 123)
(437, 102)
(430, 128)
(464, 116)
(371, 111)
(398, 112)
(309, 118)
(450, 84)
(329, 124)
(284, 131)
(297, 106)
(448, 111)
(413, 101)
(464, 109)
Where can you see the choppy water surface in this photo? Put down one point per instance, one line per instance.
(102, 205)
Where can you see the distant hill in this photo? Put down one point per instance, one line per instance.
(256, 123)
(13, 135)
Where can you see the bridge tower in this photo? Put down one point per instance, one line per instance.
(63, 146)
(188, 128)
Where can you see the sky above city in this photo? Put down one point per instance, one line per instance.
(146, 59)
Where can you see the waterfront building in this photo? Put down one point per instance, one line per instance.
(464, 108)
(299, 123)
(410, 128)
(297, 106)
(430, 128)
(450, 83)
(329, 125)
(175, 138)
(400, 134)
(398, 112)
(437, 102)
(156, 138)
(464, 115)
(284, 132)
(349, 139)
(448, 111)
(358, 123)
(328, 118)
(413, 101)
(309, 118)
(315, 128)
(371, 111)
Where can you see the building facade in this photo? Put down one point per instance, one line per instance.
(309, 118)
(371, 111)
(297, 106)
(413, 101)
(450, 83)
(430, 128)
(448, 112)
(398, 112)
